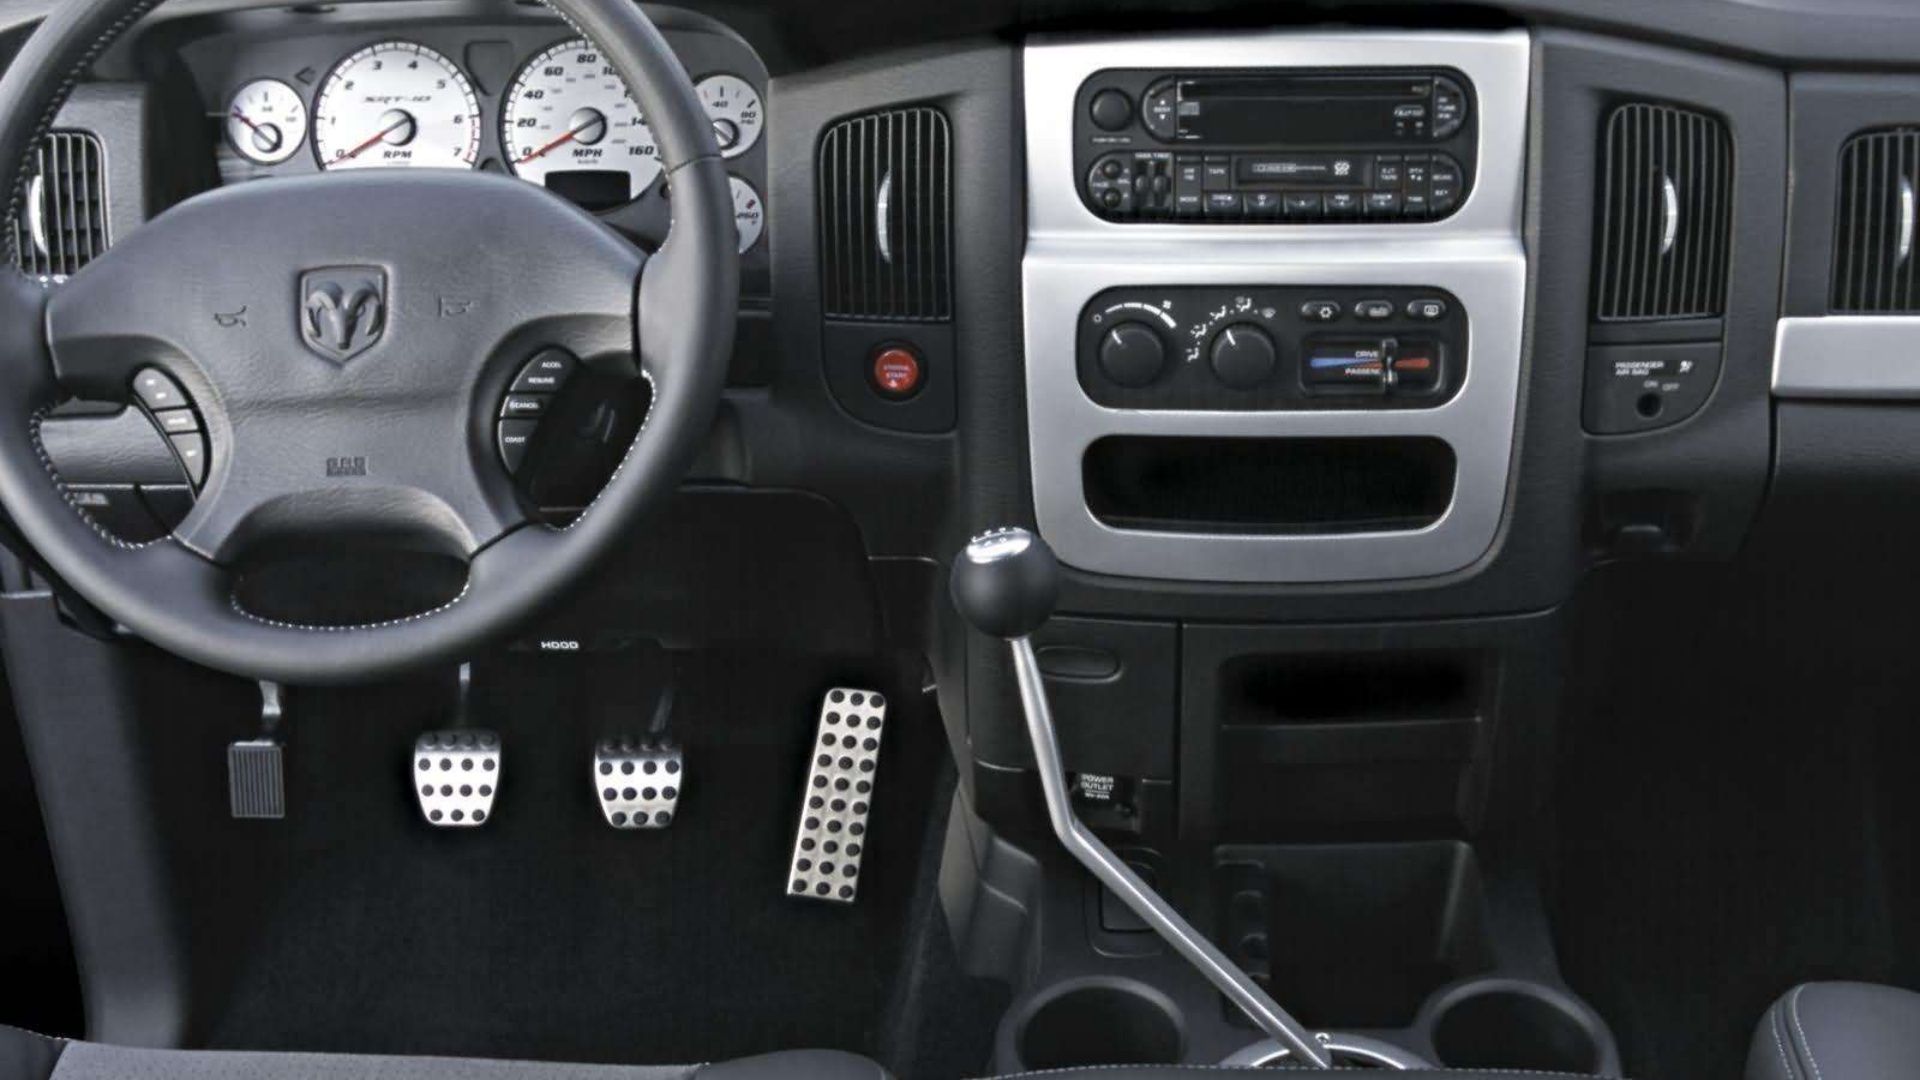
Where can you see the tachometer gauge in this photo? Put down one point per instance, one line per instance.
(266, 122)
(749, 215)
(396, 105)
(570, 124)
(734, 107)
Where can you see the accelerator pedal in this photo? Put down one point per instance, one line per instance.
(455, 775)
(256, 781)
(841, 772)
(638, 781)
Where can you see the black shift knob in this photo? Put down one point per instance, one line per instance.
(1006, 582)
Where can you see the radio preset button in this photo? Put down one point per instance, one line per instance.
(1266, 204)
(1298, 204)
(1383, 204)
(1110, 110)
(1342, 203)
(1224, 204)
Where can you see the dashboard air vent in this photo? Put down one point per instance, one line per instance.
(1666, 202)
(886, 217)
(1873, 256)
(62, 225)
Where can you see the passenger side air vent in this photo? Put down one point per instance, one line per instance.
(1665, 207)
(886, 217)
(1873, 256)
(62, 225)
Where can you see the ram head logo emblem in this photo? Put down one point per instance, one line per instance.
(343, 310)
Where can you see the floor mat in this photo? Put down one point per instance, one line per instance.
(1728, 824)
(548, 935)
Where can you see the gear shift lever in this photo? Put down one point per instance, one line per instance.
(1005, 584)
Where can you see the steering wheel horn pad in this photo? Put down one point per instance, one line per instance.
(370, 328)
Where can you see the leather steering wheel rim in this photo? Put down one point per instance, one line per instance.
(680, 310)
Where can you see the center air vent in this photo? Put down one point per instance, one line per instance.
(63, 221)
(1664, 210)
(886, 217)
(1873, 256)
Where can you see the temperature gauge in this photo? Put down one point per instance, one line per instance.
(749, 216)
(734, 107)
(266, 122)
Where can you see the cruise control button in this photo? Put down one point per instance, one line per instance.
(523, 405)
(516, 437)
(1373, 310)
(158, 390)
(193, 456)
(544, 374)
(1320, 310)
(177, 421)
(1427, 310)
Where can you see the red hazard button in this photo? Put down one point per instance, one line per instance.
(896, 372)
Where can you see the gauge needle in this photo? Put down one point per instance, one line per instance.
(377, 139)
(242, 117)
(563, 140)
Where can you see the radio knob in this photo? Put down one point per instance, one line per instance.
(1132, 354)
(1244, 356)
(1111, 110)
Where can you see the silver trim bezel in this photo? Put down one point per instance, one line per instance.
(1858, 357)
(1478, 255)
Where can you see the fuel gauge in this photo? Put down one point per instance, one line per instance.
(267, 121)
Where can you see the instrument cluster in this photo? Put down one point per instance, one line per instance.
(557, 115)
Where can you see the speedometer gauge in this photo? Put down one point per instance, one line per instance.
(396, 105)
(570, 124)
(734, 107)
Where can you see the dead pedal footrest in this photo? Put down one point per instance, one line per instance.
(638, 781)
(455, 776)
(842, 769)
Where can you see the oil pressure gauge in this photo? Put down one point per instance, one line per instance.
(734, 107)
(266, 121)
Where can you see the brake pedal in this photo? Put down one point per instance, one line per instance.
(845, 764)
(456, 774)
(639, 781)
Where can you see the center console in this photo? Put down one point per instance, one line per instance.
(1304, 249)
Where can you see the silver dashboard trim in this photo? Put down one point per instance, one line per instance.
(1847, 356)
(1477, 254)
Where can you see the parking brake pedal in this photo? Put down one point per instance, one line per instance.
(845, 762)
(256, 784)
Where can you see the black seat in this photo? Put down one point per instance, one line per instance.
(26, 1056)
(1838, 1031)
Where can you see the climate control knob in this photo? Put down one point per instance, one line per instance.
(1132, 354)
(1244, 356)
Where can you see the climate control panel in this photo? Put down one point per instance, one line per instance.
(1257, 348)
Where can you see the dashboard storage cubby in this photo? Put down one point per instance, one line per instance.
(1240, 486)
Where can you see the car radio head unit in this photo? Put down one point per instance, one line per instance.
(1294, 146)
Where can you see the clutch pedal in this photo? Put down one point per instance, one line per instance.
(455, 775)
(845, 763)
(639, 781)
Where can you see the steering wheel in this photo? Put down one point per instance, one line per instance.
(252, 299)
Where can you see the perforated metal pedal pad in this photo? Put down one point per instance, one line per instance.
(841, 773)
(638, 781)
(455, 775)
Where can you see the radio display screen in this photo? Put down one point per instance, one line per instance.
(1297, 109)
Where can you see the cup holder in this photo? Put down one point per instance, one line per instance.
(1517, 1024)
(1100, 1021)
